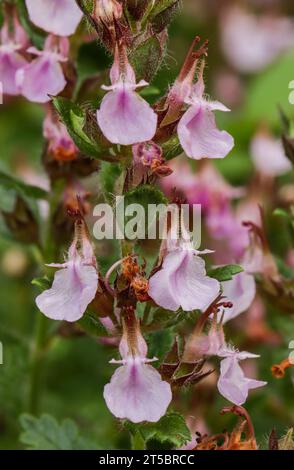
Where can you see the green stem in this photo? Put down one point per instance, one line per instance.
(146, 313)
(37, 363)
(40, 340)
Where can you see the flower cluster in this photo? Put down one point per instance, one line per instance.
(134, 137)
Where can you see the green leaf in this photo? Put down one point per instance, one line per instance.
(161, 318)
(166, 10)
(162, 5)
(92, 325)
(225, 273)
(138, 8)
(74, 119)
(278, 212)
(18, 204)
(45, 433)
(7, 199)
(170, 429)
(108, 175)
(137, 441)
(172, 148)
(145, 194)
(146, 59)
(10, 183)
(21, 220)
(160, 342)
(43, 283)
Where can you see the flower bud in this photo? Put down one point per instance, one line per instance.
(137, 8)
(21, 222)
(60, 145)
(149, 156)
(107, 11)
(278, 370)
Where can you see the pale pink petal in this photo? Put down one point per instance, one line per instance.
(268, 156)
(199, 136)
(209, 345)
(182, 282)
(136, 392)
(125, 118)
(42, 77)
(10, 62)
(217, 106)
(240, 291)
(60, 17)
(161, 289)
(233, 384)
(72, 290)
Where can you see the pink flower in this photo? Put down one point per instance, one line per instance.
(197, 130)
(124, 117)
(10, 58)
(248, 41)
(232, 383)
(136, 390)
(210, 344)
(60, 144)
(182, 282)
(268, 155)
(206, 187)
(240, 291)
(43, 76)
(60, 17)
(75, 284)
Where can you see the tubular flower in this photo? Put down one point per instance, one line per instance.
(107, 10)
(232, 383)
(43, 76)
(268, 155)
(10, 58)
(182, 281)
(278, 370)
(197, 130)
(124, 117)
(60, 17)
(240, 291)
(75, 283)
(60, 144)
(136, 390)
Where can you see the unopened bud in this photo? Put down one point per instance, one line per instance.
(137, 8)
(107, 11)
(162, 171)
